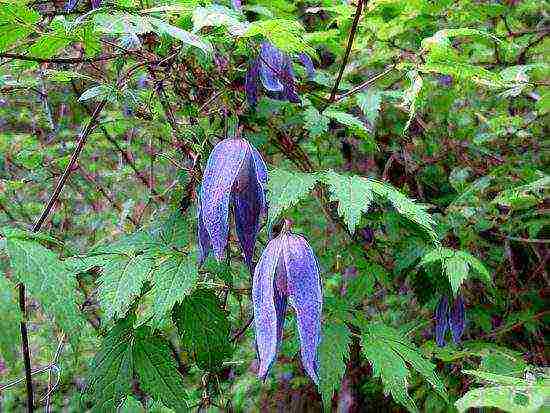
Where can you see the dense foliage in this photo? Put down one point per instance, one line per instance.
(404, 142)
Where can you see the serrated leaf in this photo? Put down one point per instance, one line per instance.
(333, 351)
(510, 394)
(112, 369)
(121, 282)
(217, 15)
(49, 44)
(353, 194)
(314, 122)
(97, 93)
(157, 370)
(287, 35)
(184, 36)
(390, 355)
(347, 119)
(285, 189)
(174, 278)
(46, 280)
(17, 22)
(456, 265)
(204, 329)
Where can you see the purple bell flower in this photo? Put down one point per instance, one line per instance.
(273, 70)
(287, 270)
(235, 174)
(452, 319)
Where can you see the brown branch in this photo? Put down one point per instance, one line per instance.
(352, 32)
(364, 84)
(61, 60)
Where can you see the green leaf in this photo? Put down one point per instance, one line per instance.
(390, 355)
(314, 122)
(121, 282)
(457, 265)
(410, 96)
(333, 351)
(217, 15)
(204, 329)
(112, 368)
(46, 280)
(98, 93)
(173, 279)
(17, 21)
(510, 394)
(9, 321)
(369, 102)
(157, 370)
(346, 119)
(287, 35)
(353, 194)
(184, 36)
(285, 189)
(49, 44)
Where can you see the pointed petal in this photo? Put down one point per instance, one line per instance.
(249, 205)
(222, 168)
(266, 322)
(306, 296)
(441, 321)
(289, 84)
(457, 319)
(308, 65)
(251, 83)
(204, 239)
(281, 294)
(271, 61)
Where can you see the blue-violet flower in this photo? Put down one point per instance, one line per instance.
(452, 319)
(235, 174)
(287, 270)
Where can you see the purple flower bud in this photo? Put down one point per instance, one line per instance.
(441, 321)
(235, 173)
(271, 63)
(251, 83)
(96, 4)
(308, 64)
(287, 270)
(236, 4)
(457, 319)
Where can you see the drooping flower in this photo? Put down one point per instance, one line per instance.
(287, 271)
(96, 4)
(452, 319)
(273, 70)
(236, 175)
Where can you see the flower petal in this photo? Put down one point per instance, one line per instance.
(271, 62)
(222, 168)
(249, 205)
(457, 319)
(251, 83)
(261, 175)
(308, 64)
(306, 296)
(441, 321)
(204, 239)
(266, 320)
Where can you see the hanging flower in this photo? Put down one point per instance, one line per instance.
(235, 175)
(287, 270)
(453, 320)
(273, 69)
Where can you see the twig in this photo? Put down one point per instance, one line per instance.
(347, 53)
(19, 380)
(364, 84)
(25, 347)
(236, 337)
(53, 366)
